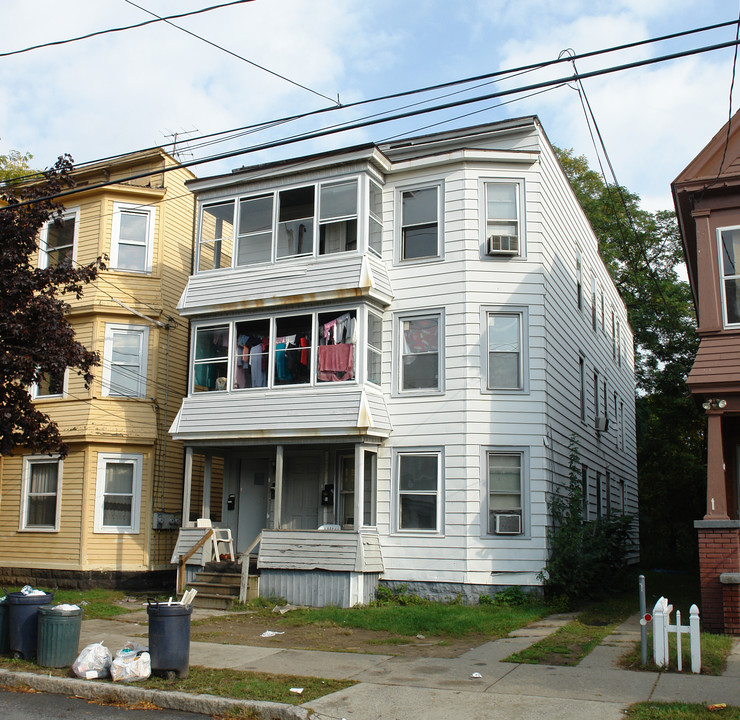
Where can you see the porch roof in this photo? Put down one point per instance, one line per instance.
(717, 364)
(282, 414)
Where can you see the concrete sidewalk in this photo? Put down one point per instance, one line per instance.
(395, 687)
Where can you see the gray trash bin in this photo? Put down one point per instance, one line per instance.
(169, 638)
(58, 636)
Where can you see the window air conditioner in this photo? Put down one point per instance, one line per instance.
(508, 524)
(503, 245)
(602, 423)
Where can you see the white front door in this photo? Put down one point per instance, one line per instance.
(301, 492)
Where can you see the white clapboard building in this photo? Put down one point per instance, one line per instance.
(392, 347)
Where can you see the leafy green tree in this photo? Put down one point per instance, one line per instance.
(15, 165)
(36, 338)
(642, 251)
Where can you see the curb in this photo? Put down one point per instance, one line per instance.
(167, 700)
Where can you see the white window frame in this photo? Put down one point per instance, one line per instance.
(518, 183)
(523, 453)
(722, 277)
(68, 214)
(437, 185)
(121, 208)
(399, 453)
(523, 314)
(398, 342)
(28, 462)
(234, 202)
(579, 280)
(34, 390)
(582, 386)
(142, 331)
(135, 459)
(372, 349)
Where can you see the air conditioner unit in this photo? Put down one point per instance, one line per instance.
(508, 524)
(503, 245)
(602, 423)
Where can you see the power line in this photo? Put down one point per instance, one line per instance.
(247, 129)
(233, 54)
(97, 33)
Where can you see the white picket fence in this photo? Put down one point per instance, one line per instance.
(662, 626)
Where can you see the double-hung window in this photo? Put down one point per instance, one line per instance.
(503, 231)
(58, 240)
(419, 490)
(374, 347)
(337, 217)
(505, 352)
(216, 236)
(729, 253)
(118, 493)
(420, 226)
(505, 477)
(133, 237)
(420, 353)
(296, 210)
(42, 479)
(124, 360)
(254, 244)
(375, 233)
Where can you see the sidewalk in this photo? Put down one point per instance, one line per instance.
(392, 688)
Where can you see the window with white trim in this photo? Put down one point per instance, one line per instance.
(374, 347)
(370, 488)
(58, 240)
(504, 472)
(504, 352)
(49, 385)
(420, 353)
(729, 254)
(124, 360)
(375, 206)
(40, 499)
(582, 386)
(132, 239)
(503, 232)
(594, 312)
(419, 480)
(579, 280)
(216, 235)
(338, 217)
(420, 226)
(118, 493)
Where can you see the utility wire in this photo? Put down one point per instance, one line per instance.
(398, 116)
(233, 54)
(487, 76)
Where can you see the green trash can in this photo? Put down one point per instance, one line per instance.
(4, 628)
(59, 636)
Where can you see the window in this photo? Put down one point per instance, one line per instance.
(124, 360)
(597, 408)
(729, 253)
(211, 358)
(255, 230)
(579, 281)
(420, 223)
(614, 335)
(619, 343)
(608, 493)
(118, 493)
(346, 504)
(338, 217)
(375, 237)
(418, 490)
(594, 321)
(133, 237)
(336, 347)
(49, 385)
(502, 217)
(504, 471)
(603, 312)
(504, 352)
(582, 386)
(621, 425)
(58, 240)
(42, 479)
(584, 491)
(292, 350)
(295, 222)
(216, 236)
(369, 491)
(599, 495)
(374, 347)
(420, 357)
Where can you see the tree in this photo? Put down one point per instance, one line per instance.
(36, 338)
(14, 165)
(642, 250)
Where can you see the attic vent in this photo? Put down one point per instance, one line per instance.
(508, 524)
(503, 245)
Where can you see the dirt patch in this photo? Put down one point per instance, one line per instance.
(246, 629)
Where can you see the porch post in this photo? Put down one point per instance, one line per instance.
(278, 510)
(206, 509)
(716, 488)
(188, 486)
(359, 487)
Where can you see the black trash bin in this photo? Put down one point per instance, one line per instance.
(58, 636)
(23, 622)
(169, 638)
(4, 642)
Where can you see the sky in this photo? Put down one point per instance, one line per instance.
(128, 90)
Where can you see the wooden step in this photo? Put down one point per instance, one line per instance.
(214, 601)
(215, 587)
(219, 578)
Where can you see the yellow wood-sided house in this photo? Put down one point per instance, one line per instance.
(108, 513)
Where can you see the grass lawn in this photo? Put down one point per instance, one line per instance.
(679, 711)
(96, 604)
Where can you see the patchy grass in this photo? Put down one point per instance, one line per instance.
(96, 604)
(679, 711)
(714, 652)
(566, 646)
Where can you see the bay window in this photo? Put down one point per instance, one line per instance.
(729, 253)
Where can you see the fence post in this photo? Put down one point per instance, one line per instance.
(695, 637)
(679, 652)
(660, 655)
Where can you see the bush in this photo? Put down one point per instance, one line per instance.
(586, 559)
(399, 595)
(511, 597)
